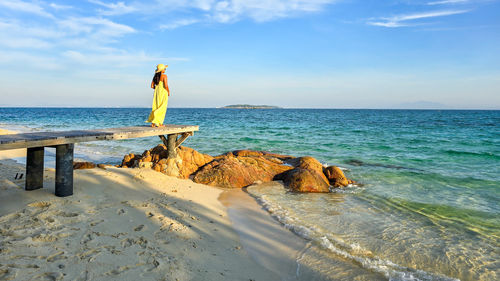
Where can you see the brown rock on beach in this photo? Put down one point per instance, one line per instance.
(336, 177)
(103, 166)
(310, 163)
(83, 165)
(254, 153)
(192, 160)
(129, 160)
(187, 162)
(237, 172)
(305, 180)
(241, 168)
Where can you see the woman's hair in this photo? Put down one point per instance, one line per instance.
(156, 78)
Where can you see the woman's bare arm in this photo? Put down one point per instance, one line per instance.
(152, 84)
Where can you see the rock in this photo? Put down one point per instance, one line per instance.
(310, 163)
(146, 157)
(130, 160)
(103, 166)
(158, 152)
(192, 160)
(336, 177)
(157, 167)
(184, 165)
(83, 165)
(253, 153)
(305, 180)
(237, 172)
(187, 162)
(143, 164)
(172, 167)
(241, 168)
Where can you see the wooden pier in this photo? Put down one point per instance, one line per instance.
(64, 141)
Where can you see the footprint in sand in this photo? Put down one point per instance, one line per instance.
(67, 215)
(153, 264)
(87, 238)
(45, 238)
(139, 228)
(94, 223)
(56, 256)
(121, 211)
(128, 242)
(53, 276)
(40, 204)
(49, 219)
(120, 270)
(7, 274)
(90, 254)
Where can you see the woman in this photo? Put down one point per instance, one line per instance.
(160, 99)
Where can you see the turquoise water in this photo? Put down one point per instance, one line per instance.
(428, 208)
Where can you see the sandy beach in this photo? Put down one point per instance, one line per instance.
(13, 153)
(136, 224)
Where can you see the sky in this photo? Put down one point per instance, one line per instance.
(294, 54)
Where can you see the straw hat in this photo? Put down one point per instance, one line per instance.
(160, 67)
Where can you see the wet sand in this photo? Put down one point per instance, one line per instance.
(266, 240)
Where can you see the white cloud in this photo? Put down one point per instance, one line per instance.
(95, 26)
(15, 35)
(24, 43)
(178, 23)
(60, 7)
(204, 5)
(115, 58)
(85, 32)
(444, 2)
(14, 29)
(262, 10)
(58, 43)
(118, 8)
(402, 20)
(29, 60)
(222, 11)
(25, 7)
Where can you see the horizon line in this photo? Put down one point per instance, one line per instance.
(335, 108)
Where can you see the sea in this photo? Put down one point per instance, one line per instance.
(427, 202)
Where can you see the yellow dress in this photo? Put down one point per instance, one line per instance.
(160, 102)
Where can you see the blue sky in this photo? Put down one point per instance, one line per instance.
(314, 54)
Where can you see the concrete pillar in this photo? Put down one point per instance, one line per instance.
(34, 168)
(64, 170)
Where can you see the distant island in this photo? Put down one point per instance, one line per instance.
(250, 106)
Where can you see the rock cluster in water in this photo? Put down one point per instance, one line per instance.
(241, 168)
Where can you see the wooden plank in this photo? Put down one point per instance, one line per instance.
(164, 140)
(40, 139)
(182, 138)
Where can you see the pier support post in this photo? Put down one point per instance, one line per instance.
(171, 146)
(172, 142)
(64, 170)
(34, 168)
